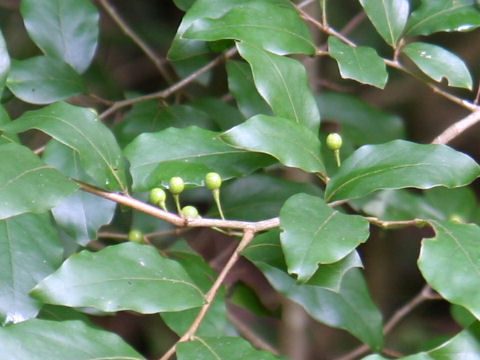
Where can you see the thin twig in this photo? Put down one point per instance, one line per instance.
(389, 224)
(425, 294)
(172, 89)
(457, 128)
(159, 63)
(178, 220)
(248, 236)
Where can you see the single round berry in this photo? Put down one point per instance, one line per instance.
(157, 196)
(176, 185)
(213, 181)
(190, 211)
(334, 141)
(135, 235)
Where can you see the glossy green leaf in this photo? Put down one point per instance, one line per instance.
(291, 143)
(29, 251)
(63, 29)
(79, 129)
(400, 164)
(182, 48)
(222, 348)
(395, 205)
(349, 307)
(450, 262)
(458, 203)
(388, 16)
(242, 86)
(258, 197)
(81, 214)
(283, 84)
(360, 122)
(215, 322)
(443, 15)
(43, 80)
(67, 340)
(27, 184)
(359, 63)
(149, 117)
(4, 62)
(191, 153)
(6, 138)
(439, 63)
(225, 116)
(344, 303)
(273, 25)
(127, 276)
(313, 233)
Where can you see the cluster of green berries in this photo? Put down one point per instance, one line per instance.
(158, 196)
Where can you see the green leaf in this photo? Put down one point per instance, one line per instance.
(349, 308)
(346, 305)
(79, 129)
(81, 214)
(443, 15)
(190, 153)
(393, 205)
(63, 29)
(223, 348)
(457, 203)
(223, 115)
(359, 63)
(148, 117)
(450, 262)
(258, 197)
(360, 122)
(215, 322)
(400, 164)
(291, 143)
(439, 63)
(273, 25)
(183, 4)
(242, 86)
(4, 63)
(314, 233)
(43, 80)
(388, 16)
(29, 251)
(283, 84)
(27, 184)
(182, 48)
(6, 138)
(127, 276)
(68, 340)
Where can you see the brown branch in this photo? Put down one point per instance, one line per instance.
(425, 294)
(458, 128)
(174, 218)
(159, 63)
(389, 224)
(248, 236)
(172, 89)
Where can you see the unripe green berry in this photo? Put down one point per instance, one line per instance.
(135, 235)
(190, 211)
(157, 196)
(334, 141)
(176, 185)
(213, 181)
